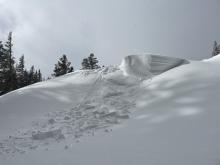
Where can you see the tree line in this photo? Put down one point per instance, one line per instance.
(14, 74)
(64, 66)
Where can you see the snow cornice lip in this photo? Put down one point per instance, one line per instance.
(148, 65)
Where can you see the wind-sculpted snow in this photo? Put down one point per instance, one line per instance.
(79, 103)
(149, 65)
(117, 115)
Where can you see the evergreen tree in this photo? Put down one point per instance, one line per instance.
(20, 72)
(39, 76)
(1, 50)
(71, 69)
(26, 78)
(62, 67)
(12, 77)
(85, 64)
(2, 75)
(216, 49)
(31, 73)
(90, 63)
(35, 77)
(9, 72)
(57, 71)
(93, 61)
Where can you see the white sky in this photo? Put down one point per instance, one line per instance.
(111, 29)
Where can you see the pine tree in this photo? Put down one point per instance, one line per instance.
(31, 73)
(39, 76)
(20, 68)
(90, 63)
(85, 64)
(57, 71)
(216, 49)
(2, 76)
(1, 50)
(9, 72)
(71, 69)
(11, 76)
(93, 61)
(35, 77)
(62, 67)
(26, 78)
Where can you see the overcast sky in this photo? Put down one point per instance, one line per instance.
(45, 29)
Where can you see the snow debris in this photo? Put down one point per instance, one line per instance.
(56, 134)
(104, 104)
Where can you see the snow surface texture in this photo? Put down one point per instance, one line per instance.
(101, 103)
(108, 117)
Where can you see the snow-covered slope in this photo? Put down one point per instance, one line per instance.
(109, 117)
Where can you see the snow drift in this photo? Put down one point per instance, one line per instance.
(112, 116)
(149, 65)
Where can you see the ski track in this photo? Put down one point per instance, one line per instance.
(91, 114)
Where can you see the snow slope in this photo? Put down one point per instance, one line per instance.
(114, 116)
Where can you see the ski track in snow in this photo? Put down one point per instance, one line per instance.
(93, 113)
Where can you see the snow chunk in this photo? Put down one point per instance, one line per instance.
(55, 134)
(148, 65)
